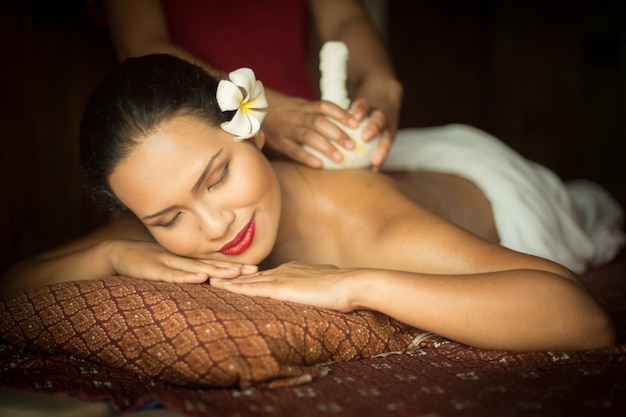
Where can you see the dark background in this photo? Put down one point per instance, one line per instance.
(547, 77)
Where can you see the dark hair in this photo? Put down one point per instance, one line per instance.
(129, 104)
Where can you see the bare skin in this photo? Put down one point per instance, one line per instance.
(353, 211)
(342, 240)
(364, 233)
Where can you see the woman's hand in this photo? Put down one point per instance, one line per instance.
(150, 261)
(320, 286)
(294, 122)
(377, 125)
(378, 98)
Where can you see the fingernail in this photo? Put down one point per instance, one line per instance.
(336, 156)
(314, 163)
(250, 268)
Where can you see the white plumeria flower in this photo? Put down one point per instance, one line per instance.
(245, 94)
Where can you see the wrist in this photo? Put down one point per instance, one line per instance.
(360, 286)
(107, 252)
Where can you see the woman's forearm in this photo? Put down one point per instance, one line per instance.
(84, 264)
(88, 257)
(347, 21)
(130, 257)
(509, 310)
(516, 309)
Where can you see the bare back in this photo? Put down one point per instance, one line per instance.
(362, 218)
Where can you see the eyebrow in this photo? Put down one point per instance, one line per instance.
(195, 188)
(206, 171)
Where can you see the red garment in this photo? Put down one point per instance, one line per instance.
(269, 36)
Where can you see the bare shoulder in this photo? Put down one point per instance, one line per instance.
(339, 192)
(327, 214)
(358, 218)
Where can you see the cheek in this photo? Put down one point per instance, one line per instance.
(254, 183)
(181, 242)
(265, 183)
(254, 187)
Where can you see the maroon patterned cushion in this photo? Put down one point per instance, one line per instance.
(193, 335)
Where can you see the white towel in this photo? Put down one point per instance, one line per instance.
(577, 224)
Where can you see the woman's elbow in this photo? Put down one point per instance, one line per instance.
(591, 325)
(600, 332)
(597, 332)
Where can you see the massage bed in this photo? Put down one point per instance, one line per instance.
(107, 347)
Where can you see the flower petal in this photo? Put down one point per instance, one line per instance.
(246, 95)
(240, 125)
(255, 124)
(256, 118)
(257, 98)
(244, 78)
(229, 96)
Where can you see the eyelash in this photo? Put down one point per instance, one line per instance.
(222, 177)
(220, 180)
(171, 222)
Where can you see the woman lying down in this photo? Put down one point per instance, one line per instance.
(460, 236)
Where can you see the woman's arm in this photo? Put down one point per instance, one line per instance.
(378, 93)
(122, 247)
(520, 309)
(140, 27)
(398, 258)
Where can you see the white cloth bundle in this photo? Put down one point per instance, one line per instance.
(333, 62)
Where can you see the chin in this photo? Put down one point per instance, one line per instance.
(252, 258)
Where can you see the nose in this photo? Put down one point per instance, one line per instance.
(215, 223)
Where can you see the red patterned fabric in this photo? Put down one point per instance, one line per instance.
(193, 335)
(442, 378)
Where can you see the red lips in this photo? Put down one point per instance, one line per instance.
(242, 241)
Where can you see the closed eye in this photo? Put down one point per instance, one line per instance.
(222, 177)
(171, 222)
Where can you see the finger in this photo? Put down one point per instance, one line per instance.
(381, 152)
(256, 288)
(219, 263)
(210, 268)
(245, 269)
(333, 111)
(242, 285)
(326, 266)
(331, 131)
(321, 144)
(268, 275)
(296, 152)
(375, 126)
(168, 274)
(360, 109)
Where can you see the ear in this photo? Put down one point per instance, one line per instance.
(258, 139)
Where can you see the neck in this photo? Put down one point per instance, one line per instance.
(295, 198)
